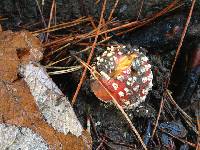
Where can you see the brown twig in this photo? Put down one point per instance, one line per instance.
(177, 53)
(152, 17)
(113, 9)
(115, 27)
(94, 127)
(187, 118)
(157, 119)
(61, 26)
(100, 145)
(183, 35)
(50, 18)
(84, 50)
(91, 54)
(182, 140)
(43, 20)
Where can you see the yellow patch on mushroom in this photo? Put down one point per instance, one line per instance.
(123, 64)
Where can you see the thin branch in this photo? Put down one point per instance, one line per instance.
(91, 54)
(43, 20)
(183, 34)
(158, 117)
(113, 9)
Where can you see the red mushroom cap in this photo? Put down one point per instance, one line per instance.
(125, 73)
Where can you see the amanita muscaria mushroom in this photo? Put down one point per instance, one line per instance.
(126, 73)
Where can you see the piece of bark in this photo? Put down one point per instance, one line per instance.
(13, 137)
(54, 106)
(35, 102)
(16, 48)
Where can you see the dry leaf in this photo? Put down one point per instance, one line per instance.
(18, 101)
